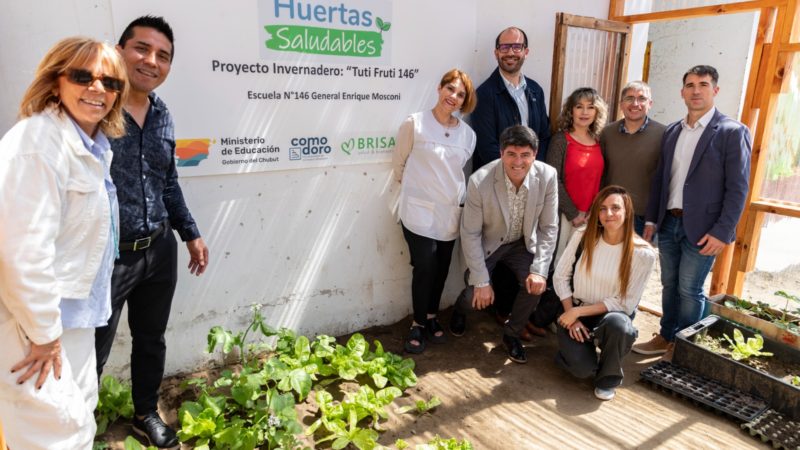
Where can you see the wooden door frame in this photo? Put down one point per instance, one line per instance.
(772, 49)
(563, 22)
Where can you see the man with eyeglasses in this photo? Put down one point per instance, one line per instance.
(508, 98)
(631, 147)
(151, 205)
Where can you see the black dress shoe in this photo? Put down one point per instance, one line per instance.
(155, 430)
(516, 352)
(458, 324)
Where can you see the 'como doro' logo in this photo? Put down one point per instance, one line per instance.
(309, 148)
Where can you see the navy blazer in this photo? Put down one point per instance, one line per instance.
(496, 110)
(716, 184)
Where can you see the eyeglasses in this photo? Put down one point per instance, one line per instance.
(516, 48)
(631, 99)
(83, 77)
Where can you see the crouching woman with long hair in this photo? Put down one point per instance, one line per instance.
(600, 278)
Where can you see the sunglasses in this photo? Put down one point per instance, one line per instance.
(83, 77)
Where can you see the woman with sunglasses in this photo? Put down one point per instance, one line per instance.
(600, 279)
(58, 241)
(575, 153)
(428, 161)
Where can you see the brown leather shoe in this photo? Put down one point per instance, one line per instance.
(670, 351)
(535, 331)
(525, 335)
(500, 318)
(656, 346)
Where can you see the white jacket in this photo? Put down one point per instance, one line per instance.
(54, 217)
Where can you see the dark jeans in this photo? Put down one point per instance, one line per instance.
(517, 258)
(146, 280)
(614, 334)
(431, 262)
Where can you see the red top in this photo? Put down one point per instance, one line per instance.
(583, 167)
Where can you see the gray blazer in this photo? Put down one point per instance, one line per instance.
(485, 220)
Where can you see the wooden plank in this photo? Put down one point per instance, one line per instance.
(753, 241)
(702, 11)
(622, 73)
(646, 63)
(721, 271)
(616, 9)
(596, 24)
(557, 79)
(789, 47)
(783, 208)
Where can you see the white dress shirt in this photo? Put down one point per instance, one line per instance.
(684, 151)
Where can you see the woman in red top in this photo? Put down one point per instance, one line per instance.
(575, 153)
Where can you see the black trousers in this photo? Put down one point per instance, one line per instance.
(430, 260)
(145, 279)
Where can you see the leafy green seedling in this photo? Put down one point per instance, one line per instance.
(785, 322)
(132, 444)
(421, 406)
(795, 381)
(741, 349)
(219, 336)
(113, 401)
(438, 443)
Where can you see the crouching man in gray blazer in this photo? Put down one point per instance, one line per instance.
(511, 216)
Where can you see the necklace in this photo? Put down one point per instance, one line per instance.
(447, 127)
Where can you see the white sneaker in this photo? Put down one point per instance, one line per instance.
(604, 394)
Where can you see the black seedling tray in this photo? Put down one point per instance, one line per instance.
(774, 428)
(710, 393)
(779, 394)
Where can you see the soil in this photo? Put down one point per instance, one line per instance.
(497, 404)
(767, 364)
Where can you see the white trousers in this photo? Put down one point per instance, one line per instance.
(60, 415)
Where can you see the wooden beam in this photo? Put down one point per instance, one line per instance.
(783, 208)
(596, 24)
(722, 270)
(557, 78)
(702, 11)
(616, 9)
(789, 48)
(646, 64)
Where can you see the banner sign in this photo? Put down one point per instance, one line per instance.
(260, 85)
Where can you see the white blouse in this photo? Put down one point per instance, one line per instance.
(602, 284)
(429, 161)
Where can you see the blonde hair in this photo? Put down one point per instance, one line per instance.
(594, 231)
(470, 100)
(74, 53)
(565, 119)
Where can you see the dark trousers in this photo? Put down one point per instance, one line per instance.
(517, 258)
(430, 260)
(614, 334)
(146, 280)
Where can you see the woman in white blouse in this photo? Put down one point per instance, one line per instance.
(428, 161)
(600, 278)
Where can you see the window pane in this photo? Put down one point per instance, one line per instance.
(782, 172)
(591, 60)
(777, 262)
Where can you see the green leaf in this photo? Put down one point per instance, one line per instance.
(340, 443)
(132, 444)
(365, 439)
(301, 382)
(302, 348)
(386, 26)
(219, 336)
(379, 22)
(357, 344)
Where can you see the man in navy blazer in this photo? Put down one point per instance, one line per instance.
(696, 200)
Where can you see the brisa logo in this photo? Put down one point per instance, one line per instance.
(368, 145)
(316, 27)
(309, 148)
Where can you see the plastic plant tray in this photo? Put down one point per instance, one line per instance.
(774, 428)
(779, 394)
(707, 392)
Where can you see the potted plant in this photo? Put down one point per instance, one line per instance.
(733, 355)
(782, 325)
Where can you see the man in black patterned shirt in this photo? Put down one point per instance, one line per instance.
(151, 205)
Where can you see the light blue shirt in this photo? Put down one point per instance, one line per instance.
(518, 94)
(94, 311)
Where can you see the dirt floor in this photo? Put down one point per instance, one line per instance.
(497, 404)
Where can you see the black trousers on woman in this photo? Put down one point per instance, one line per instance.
(431, 262)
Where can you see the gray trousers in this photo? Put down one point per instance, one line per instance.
(517, 258)
(614, 334)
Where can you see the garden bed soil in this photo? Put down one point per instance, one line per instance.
(497, 404)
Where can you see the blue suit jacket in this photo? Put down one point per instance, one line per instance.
(716, 184)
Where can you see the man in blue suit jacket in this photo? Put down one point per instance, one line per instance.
(696, 200)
